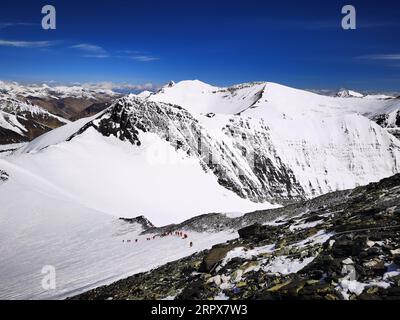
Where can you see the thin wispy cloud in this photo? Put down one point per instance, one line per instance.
(395, 56)
(120, 86)
(143, 58)
(136, 55)
(25, 44)
(4, 25)
(325, 25)
(378, 24)
(130, 52)
(91, 50)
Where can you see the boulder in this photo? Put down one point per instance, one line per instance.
(250, 231)
(214, 257)
(345, 248)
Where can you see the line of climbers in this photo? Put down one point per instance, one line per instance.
(165, 234)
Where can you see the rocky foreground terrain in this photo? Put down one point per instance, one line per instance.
(343, 245)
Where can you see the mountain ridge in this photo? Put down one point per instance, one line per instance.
(263, 154)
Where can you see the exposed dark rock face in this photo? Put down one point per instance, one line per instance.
(250, 231)
(141, 220)
(92, 110)
(390, 122)
(214, 257)
(10, 137)
(381, 119)
(3, 176)
(344, 245)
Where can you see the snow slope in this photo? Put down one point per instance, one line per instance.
(45, 226)
(108, 175)
(55, 136)
(200, 98)
(61, 202)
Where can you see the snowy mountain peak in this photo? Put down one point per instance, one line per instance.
(201, 98)
(145, 94)
(345, 93)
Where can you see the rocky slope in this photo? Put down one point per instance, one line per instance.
(24, 121)
(344, 245)
(69, 102)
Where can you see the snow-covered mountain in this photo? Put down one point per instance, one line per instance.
(89, 162)
(70, 102)
(345, 93)
(324, 143)
(23, 121)
(262, 141)
(385, 112)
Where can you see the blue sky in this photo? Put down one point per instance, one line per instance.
(298, 43)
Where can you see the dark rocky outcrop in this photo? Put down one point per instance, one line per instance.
(3, 176)
(250, 231)
(141, 220)
(215, 256)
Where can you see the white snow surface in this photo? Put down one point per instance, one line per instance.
(112, 176)
(45, 226)
(56, 136)
(200, 98)
(287, 265)
(262, 99)
(242, 252)
(85, 246)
